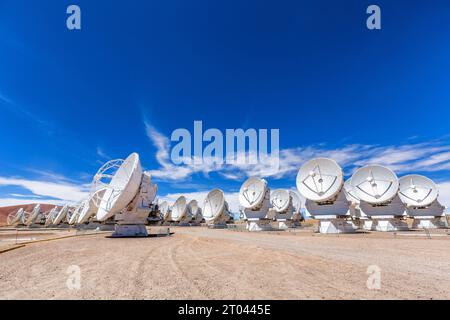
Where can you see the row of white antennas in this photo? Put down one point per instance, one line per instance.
(123, 193)
(215, 211)
(373, 195)
(260, 207)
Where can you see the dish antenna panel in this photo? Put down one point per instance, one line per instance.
(321, 182)
(281, 200)
(34, 215)
(375, 184)
(420, 195)
(350, 192)
(90, 205)
(254, 197)
(51, 216)
(282, 204)
(62, 214)
(195, 211)
(73, 218)
(377, 188)
(15, 218)
(215, 209)
(180, 212)
(252, 193)
(127, 197)
(417, 191)
(297, 207)
(164, 207)
(296, 201)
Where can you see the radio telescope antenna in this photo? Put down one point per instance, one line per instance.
(34, 215)
(377, 188)
(375, 184)
(282, 204)
(297, 207)
(73, 218)
(14, 218)
(215, 209)
(417, 191)
(321, 182)
(180, 212)
(61, 215)
(90, 205)
(254, 197)
(195, 212)
(420, 195)
(128, 195)
(51, 216)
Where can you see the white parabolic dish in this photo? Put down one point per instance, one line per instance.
(281, 199)
(252, 192)
(61, 215)
(296, 201)
(417, 191)
(214, 205)
(320, 179)
(179, 208)
(193, 207)
(122, 189)
(350, 192)
(34, 214)
(375, 184)
(164, 209)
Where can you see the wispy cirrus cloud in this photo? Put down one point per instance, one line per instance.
(48, 191)
(432, 156)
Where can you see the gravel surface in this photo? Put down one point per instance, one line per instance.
(200, 263)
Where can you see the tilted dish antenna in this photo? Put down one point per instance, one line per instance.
(76, 213)
(179, 209)
(296, 201)
(214, 206)
(164, 208)
(350, 192)
(34, 215)
(15, 217)
(61, 215)
(320, 179)
(90, 205)
(281, 200)
(51, 216)
(417, 191)
(252, 193)
(122, 188)
(375, 184)
(195, 210)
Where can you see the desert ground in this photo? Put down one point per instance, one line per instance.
(202, 263)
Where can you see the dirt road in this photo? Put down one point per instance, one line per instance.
(198, 263)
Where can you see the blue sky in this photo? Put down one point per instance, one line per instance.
(71, 100)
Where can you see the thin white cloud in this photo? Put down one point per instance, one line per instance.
(61, 191)
(424, 157)
(102, 154)
(7, 202)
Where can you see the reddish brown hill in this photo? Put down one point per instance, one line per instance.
(5, 211)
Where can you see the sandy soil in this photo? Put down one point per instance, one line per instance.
(199, 263)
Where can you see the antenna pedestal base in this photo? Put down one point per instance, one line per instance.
(335, 226)
(259, 225)
(284, 224)
(130, 230)
(389, 225)
(428, 223)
